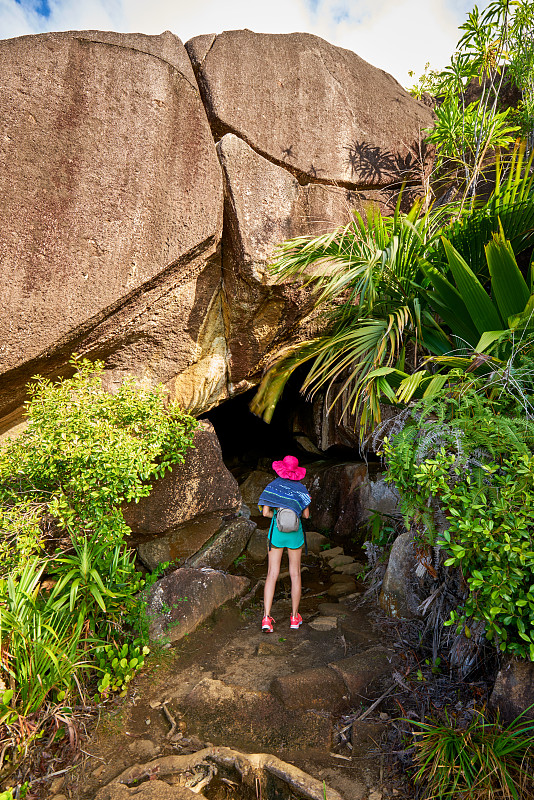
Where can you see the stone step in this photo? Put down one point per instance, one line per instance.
(332, 609)
(339, 561)
(340, 588)
(363, 673)
(357, 629)
(318, 688)
(323, 623)
(331, 553)
(353, 568)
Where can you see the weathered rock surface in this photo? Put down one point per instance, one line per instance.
(344, 494)
(200, 492)
(332, 609)
(315, 541)
(253, 486)
(112, 205)
(264, 205)
(338, 119)
(340, 588)
(363, 673)
(330, 553)
(212, 703)
(178, 603)
(401, 589)
(324, 623)
(334, 489)
(227, 544)
(339, 561)
(356, 568)
(356, 629)
(257, 546)
(113, 193)
(513, 692)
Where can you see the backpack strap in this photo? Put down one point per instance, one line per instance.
(305, 539)
(271, 528)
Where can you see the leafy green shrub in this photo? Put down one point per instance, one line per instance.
(478, 468)
(478, 761)
(86, 451)
(119, 665)
(99, 582)
(495, 50)
(491, 537)
(40, 644)
(83, 453)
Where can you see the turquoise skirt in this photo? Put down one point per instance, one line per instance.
(293, 540)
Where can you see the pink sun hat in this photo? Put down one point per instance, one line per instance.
(289, 468)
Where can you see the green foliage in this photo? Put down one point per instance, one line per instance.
(21, 534)
(491, 537)
(98, 582)
(480, 760)
(496, 48)
(382, 528)
(461, 133)
(83, 453)
(118, 665)
(473, 457)
(398, 289)
(39, 644)
(369, 274)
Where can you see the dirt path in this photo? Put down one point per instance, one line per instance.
(283, 693)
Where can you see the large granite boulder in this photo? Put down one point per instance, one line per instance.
(334, 490)
(179, 602)
(227, 544)
(111, 207)
(321, 111)
(253, 486)
(187, 506)
(113, 192)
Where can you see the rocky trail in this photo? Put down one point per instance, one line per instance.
(228, 689)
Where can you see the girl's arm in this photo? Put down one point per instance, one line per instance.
(306, 513)
(267, 511)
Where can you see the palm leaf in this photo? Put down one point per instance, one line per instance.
(481, 310)
(276, 376)
(508, 286)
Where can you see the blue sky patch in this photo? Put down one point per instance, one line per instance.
(41, 7)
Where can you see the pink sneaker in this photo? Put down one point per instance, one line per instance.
(267, 624)
(296, 621)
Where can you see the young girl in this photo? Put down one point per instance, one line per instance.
(286, 491)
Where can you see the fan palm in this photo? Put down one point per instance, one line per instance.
(368, 275)
(386, 282)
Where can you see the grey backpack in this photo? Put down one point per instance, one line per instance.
(287, 521)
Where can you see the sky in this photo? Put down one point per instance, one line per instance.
(395, 35)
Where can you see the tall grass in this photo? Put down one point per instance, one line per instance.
(39, 644)
(481, 760)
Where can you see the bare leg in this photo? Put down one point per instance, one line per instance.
(294, 571)
(275, 557)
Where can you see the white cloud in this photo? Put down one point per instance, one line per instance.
(396, 35)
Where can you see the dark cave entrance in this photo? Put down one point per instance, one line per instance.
(249, 443)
